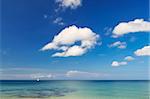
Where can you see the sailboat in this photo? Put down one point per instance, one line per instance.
(38, 79)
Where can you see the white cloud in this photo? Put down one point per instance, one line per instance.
(114, 36)
(138, 25)
(129, 58)
(66, 41)
(125, 62)
(73, 4)
(72, 51)
(26, 76)
(119, 44)
(145, 51)
(116, 63)
(75, 73)
(58, 21)
(39, 75)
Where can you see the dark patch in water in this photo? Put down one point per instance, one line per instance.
(38, 93)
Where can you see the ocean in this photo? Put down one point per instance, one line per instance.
(88, 89)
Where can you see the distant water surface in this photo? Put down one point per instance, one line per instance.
(74, 89)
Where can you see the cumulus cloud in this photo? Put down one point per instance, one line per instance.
(138, 25)
(117, 64)
(72, 51)
(145, 51)
(75, 73)
(129, 58)
(67, 41)
(73, 4)
(125, 62)
(119, 44)
(58, 21)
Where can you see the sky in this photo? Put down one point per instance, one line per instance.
(75, 39)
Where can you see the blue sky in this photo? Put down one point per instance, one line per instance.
(28, 25)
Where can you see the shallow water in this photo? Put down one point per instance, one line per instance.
(74, 90)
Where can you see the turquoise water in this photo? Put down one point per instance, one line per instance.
(74, 90)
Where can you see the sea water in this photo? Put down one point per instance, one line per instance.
(88, 89)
